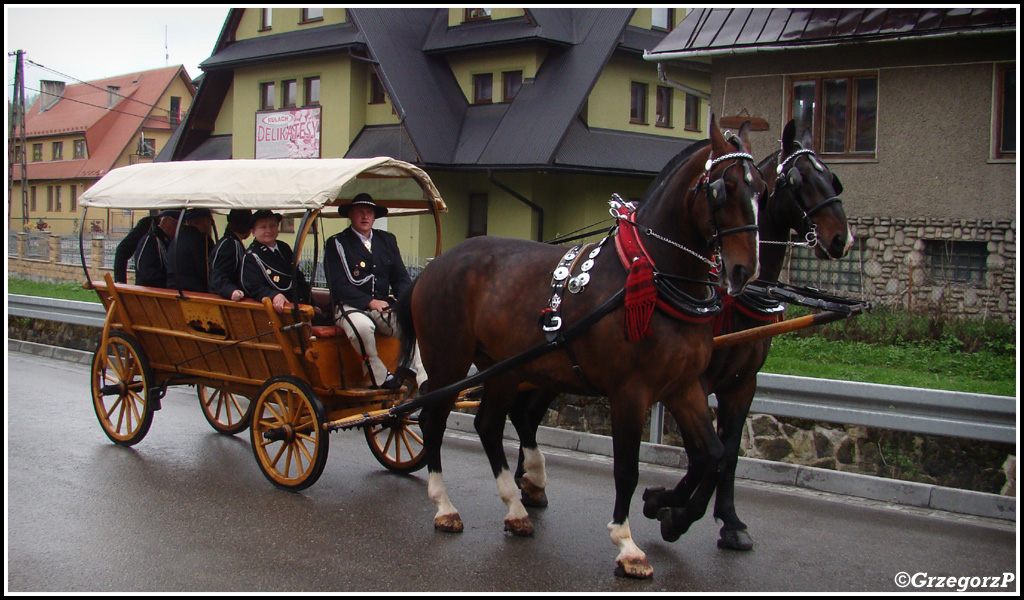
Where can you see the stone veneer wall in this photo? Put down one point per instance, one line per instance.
(895, 265)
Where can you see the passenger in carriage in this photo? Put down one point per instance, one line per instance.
(126, 248)
(365, 274)
(188, 252)
(151, 254)
(226, 256)
(267, 264)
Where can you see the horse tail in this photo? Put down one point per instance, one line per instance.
(406, 325)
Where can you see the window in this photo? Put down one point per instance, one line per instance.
(843, 275)
(377, 95)
(841, 112)
(1006, 115)
(312, 14)
(175, 114)
(56, 199)
(17, 154)
(511, 81)
(37, 152)
(638, 103)
(266, 96)
(79, 148)
(477, 215)
(957, 262)
(74, 198)
(290, 91)
(312, 91)
(49, 198)
(32, 198)
(147, 147)
(478, 14)
(662, 18)
(266, 18)
(58, 151)
(692, 113)
(663, 107)
(482, 85)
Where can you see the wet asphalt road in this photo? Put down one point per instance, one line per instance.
(187, 510)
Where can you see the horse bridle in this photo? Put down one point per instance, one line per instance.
(716, 193)
(793, 180)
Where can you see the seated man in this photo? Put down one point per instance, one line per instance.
(365, 273)
(151, 255)
(126, 248)
(188, 252)
(267, 265)
(226, 256)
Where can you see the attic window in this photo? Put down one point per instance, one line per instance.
(662, 18)
(377, 95)
(312, 14)
(113, 95)
(511, 82)
(482, 88)
(478, 14)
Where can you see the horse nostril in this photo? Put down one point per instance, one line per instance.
(838, 246)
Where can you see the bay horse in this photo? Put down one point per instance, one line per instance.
(804, 198)
(479, 303)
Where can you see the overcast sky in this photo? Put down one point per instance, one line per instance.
(84, 43)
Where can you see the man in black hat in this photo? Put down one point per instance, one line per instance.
(127, 247)
(267, 265)
(226, 256)
(151, 255)
(188, 252)
(365, 273)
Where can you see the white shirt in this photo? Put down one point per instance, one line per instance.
(366, 239)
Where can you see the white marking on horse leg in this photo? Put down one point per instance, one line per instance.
(439, 495)
(509, 493)
(533, 465)
(631, 561)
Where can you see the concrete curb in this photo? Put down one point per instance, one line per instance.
(903, 493)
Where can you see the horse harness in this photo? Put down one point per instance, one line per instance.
(792, 180)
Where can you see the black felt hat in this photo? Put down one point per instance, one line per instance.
(263, 214)
(366, 200)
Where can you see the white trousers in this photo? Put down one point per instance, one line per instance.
(360, 326)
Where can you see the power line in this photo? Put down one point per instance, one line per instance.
(98, 106)
(54, 71)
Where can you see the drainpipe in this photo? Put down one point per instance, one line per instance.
(663, 77)
(524, 200)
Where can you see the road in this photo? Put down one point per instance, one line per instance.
(187, 510)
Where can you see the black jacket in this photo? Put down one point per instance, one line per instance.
(187, 260)
(126, 249)
(356, 275)
(226, 266)
(266, 273)
(151, 259)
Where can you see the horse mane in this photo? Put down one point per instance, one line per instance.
(673, 165)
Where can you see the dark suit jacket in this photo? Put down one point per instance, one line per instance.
(226, 266)
(356, 275)
(151, 259)
(266, 273)
(187, 256)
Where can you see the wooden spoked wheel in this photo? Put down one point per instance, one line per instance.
(287, 433)
(397, 443)
(226, 412)
(122, 389)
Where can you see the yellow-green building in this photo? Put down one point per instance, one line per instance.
(75, 134)
(527, 119)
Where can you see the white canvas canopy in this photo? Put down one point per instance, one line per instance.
(282, 185)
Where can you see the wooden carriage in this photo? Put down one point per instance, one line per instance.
(290, 381)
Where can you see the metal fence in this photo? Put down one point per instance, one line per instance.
(933, 412)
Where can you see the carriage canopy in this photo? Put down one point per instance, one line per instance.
(283, 185)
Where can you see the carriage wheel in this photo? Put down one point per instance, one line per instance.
(397, 443)
(226, 412)
(287, 433)
(122, 389)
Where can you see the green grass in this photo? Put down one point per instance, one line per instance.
(64, 291)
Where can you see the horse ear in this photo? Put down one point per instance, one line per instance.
(788, 138)
(717, 139)
(745, 135)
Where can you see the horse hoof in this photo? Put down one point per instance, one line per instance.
(532, 495)
(668, 529)
(736, 539)
(652, 501)
(634, 568)
(449, 523)
(522, 527)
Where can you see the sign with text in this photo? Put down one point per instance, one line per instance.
(288, 133)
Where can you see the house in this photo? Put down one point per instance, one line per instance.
(77, 133)
(914, 109)
(527, 119)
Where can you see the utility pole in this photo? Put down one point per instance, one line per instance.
(16, 140)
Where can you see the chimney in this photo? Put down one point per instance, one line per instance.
(113, 95)
(50, 94)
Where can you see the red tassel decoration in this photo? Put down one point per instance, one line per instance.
(641, 298)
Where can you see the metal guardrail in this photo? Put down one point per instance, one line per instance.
(934, 412)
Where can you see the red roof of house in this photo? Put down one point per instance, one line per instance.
(82, 109)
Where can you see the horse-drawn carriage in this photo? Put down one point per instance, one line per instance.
(293, 380)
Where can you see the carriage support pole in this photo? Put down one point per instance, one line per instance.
(757, 333)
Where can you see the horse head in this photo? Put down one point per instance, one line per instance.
(733, 186)
(805, 195)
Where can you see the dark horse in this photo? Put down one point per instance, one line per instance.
(804, 197)
(480, 301)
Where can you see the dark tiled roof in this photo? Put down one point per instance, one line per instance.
(282, 46)
(727, 29)
(215, 147)
(383, 140)
(609, 150)
(539, 25)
